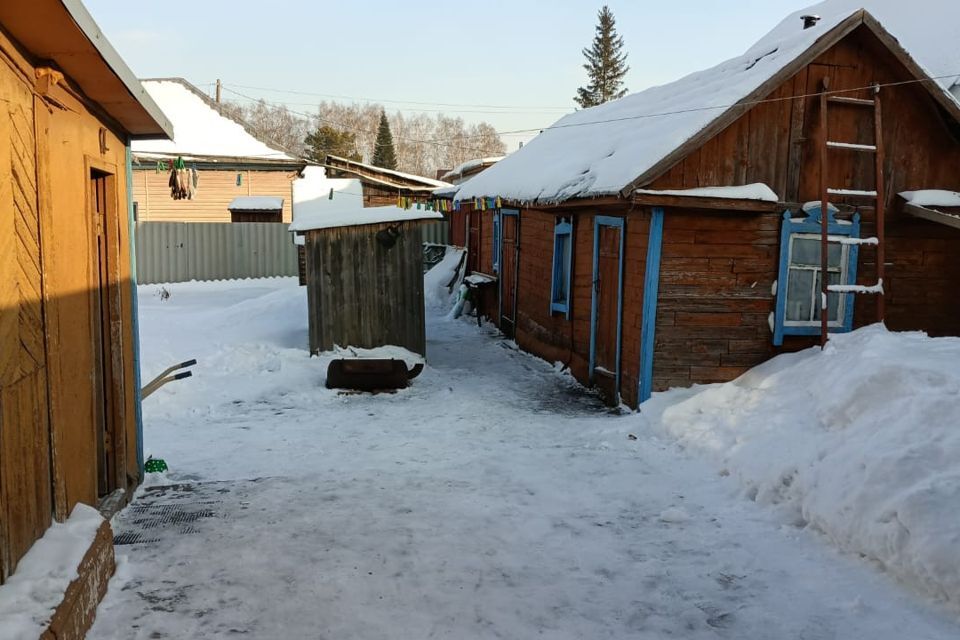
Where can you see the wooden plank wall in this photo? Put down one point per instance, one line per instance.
(361, 293)
(25, 495)
(217, 189)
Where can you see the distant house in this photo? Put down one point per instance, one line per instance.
(668, 238)
(468, 169)
(363, 267)
(69, 378)
(383, 186)
(229, 159)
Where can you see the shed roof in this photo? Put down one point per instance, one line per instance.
(380, 175)
(470, 167)
(201, 128)
(313, 208)
(256, 203)
(62, 31)
(612, 148)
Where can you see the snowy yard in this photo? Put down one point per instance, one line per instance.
(495, 498)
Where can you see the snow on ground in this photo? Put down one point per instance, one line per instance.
(31, 595)
(860, 441)
(493, 498)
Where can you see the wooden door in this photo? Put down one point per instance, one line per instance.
(473, 241)
(607, 306)
(101, 314)
(509, 262)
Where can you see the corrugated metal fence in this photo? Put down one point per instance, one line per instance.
(184, 251)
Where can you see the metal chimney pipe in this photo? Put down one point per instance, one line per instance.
(810, 20)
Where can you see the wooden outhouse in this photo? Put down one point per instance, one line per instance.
(673, 237)
(364, 274)
(69, 108)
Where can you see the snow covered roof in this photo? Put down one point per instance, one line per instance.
(611, 148)
(932, 198)
(199, 128)
(256, 203)
(384, 176)
(470, 166)
(313, 207)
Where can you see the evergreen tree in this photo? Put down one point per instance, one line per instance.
(384, 155)
(606, 64)
(327, 140)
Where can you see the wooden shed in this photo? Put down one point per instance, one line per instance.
(383, 187)
(673, 237)
(364, 274)
(68, 347)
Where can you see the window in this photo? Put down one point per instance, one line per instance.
(496, 242)
(798, 286)
(562, 256)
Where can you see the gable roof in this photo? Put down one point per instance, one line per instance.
(201, 128)
(386, 177)
(618, 146)
(62, 31)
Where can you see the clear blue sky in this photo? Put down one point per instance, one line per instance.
(519, 53)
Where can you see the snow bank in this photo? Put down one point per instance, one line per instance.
(386, 352)
(435, 291)
(33, 592)
(860, 441)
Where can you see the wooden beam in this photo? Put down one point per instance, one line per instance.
(692, 202)
(948, 219)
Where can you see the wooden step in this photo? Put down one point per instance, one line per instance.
(856, 102)
(852, 146)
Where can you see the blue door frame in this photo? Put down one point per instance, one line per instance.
(617, 223)
(651, 289)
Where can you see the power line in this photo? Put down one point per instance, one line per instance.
(383, 100)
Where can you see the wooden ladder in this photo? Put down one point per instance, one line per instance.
(876, 194)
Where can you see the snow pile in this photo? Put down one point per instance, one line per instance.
(386, 352)
(33, 592)
(932, 198)
(601, 150)
(198, 128)
(757, 191)
(435, 291)
(860, 441)
(314, 208)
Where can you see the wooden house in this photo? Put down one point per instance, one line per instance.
(68, 347)
(383, 187)
(364, 273)
(229, 159)
(468, 169)
(673, 237)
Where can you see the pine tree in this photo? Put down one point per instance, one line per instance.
(384, 155)
(328, 140)
(606, 64)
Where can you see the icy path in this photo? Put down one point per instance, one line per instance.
(493, 499)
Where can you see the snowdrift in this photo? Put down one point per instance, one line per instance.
(860, 441)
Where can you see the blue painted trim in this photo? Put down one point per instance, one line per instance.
(132, 236)
(561, 229)
(811, 224)
(496, 242)
(618, 223)
(651, 290)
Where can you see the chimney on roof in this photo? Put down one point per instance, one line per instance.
(810, 21)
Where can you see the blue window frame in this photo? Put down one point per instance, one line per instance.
(562, 262)
(798, 286)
